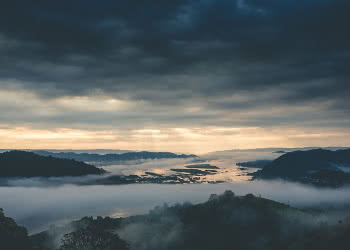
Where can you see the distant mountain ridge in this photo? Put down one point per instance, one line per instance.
(88, 157)
(28, 164)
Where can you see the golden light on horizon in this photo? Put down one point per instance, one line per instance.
(182, 140)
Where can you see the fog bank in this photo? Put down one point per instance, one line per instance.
(37, 208)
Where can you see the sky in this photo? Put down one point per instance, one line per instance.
(182, 75)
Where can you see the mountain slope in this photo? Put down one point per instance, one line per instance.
(27, 164)
(223, 222)
(298, 163)
(318, 166)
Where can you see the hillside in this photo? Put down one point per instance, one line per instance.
(318, 165)
(223, 222)
(13, 236)
(27, 164)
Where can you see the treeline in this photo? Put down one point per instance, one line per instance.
(88, 237)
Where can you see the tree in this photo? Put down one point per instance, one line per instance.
(12, 236)
(92, 238)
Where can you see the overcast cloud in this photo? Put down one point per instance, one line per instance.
(121, 66)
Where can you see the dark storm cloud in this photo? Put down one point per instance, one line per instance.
(170, 52)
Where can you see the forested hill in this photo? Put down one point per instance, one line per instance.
(105, 158)
(298, 163)
(223, 222)
(27, 164)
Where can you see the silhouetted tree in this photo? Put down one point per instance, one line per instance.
(92, 238)
(12, 236)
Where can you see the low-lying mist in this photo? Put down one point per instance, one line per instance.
(39, 202)
(225, 221)
(37, 207)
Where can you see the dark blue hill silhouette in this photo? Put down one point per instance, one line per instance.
(312, 163)
(27, 164)
(86, 157)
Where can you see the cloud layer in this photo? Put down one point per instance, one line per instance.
(179, 64)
